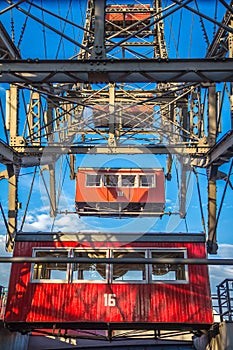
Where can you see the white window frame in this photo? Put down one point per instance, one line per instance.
(50, 280)
(94, 174)
(149, 174)
(114, 174)
(168, 281)
(106, 280)
(135, 181)
(132, 250)
(109, 267)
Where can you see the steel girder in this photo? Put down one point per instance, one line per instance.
(7, 47)
(33, 156)
(105, 70)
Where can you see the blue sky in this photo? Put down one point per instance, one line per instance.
(191, 43)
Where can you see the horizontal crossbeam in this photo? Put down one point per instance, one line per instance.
(32, 156)
(130, 261)
(123, 70)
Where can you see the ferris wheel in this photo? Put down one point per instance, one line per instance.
(116, 117)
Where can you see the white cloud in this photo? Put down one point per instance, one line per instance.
(43, 222)
(69, 223)
(220, 272)
(168, 201)
(39, 222)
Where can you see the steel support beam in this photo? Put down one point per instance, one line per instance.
(138, 261)
(112, 117)
(212, 115)
(212, 187)
(183, 190)
(72, 167)
(12, 116)
(12, 122)
(122, 70)
(52, 187)
(48, 120)
(7, 47)
(216, 48)
(26, 156)
(230, 48)
(34, 119)
(33, 156)
(12, 206)
(98, 50)
(212, 210)
(222, 152)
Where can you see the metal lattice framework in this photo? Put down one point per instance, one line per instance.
(103, 77)
(118, 60)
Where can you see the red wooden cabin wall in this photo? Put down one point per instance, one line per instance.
(84, 302)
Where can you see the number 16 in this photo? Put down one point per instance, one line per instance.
(109, 299)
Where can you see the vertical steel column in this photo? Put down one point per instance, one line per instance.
(48, 119)
(230, 48)
(72, 167)
(52, 186)
(112, 138)
(212, 208)
(13, 115)
(185, 121)
(13, 121)
(183, 190)
(12, 206)
(212, 115)
(98, 50)
(34, 119)
(212, 188)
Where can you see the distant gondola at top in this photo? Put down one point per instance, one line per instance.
(120, 192)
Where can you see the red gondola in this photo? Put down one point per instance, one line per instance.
(143, 116)
(124, 192)
(97, 295)
(122, 16)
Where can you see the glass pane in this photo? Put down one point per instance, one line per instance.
(128, 180)
(50, 271)
(168, 272)
(147, 181)
(129, 272)
(111, 180)
(93, 180)
(89, 271)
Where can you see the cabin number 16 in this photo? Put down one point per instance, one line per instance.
(109, 299)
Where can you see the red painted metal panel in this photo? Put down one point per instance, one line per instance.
(85, 302)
